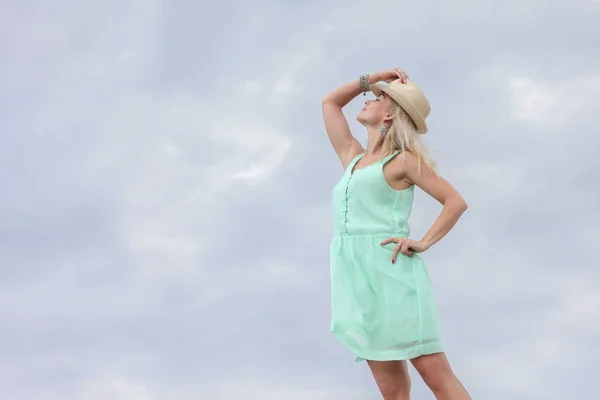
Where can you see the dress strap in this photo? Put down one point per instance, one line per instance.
(389, 157)
(354, 161)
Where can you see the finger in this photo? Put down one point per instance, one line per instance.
(386, 241)
(395, 254)
(404, 247)
(404, 76)
(410, 249)
(400, 74)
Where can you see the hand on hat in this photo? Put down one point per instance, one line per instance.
(393, 74)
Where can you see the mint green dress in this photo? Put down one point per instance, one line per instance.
(380, 311)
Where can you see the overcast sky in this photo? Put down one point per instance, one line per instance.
(165, 210)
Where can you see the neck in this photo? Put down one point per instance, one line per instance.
(374, 140)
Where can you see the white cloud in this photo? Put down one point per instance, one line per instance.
(256, 154)
(253, 87)
(550, 102)
(541, 339)
(283, 87)
(532, 101)
(580, 307)
(239, 389)
(114, 389)
(123, 112)
(157, 241)
(293, 63)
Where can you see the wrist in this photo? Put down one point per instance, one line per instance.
(375, 77)
(427, 243)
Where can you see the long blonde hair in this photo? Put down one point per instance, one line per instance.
(402, 135)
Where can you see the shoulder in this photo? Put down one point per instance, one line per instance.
(412, 167)
(404, 161)
(351, 155)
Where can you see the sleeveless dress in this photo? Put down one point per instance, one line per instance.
(380, 311)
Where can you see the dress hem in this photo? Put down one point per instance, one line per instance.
(391, 355)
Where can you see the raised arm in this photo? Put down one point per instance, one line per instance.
(345, 145)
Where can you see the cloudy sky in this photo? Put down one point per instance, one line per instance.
(166, 178)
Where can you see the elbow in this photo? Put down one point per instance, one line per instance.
(327, 99)
(330, 100)
(459, 204)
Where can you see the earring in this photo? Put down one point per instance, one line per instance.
(383, 130)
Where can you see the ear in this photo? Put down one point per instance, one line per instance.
(388, 117)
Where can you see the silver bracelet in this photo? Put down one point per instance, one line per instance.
(365, 86)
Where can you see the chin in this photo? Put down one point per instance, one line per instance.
(363, 121)
(361, 118)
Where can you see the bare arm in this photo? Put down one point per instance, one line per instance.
(438, 188)
(345, 145)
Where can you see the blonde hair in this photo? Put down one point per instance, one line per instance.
(402, 135)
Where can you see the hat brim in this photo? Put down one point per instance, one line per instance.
(419, 121)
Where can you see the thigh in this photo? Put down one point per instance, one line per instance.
(433, 368)
(391, 377)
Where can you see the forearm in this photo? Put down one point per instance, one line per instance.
(449, 216)
(348, 91)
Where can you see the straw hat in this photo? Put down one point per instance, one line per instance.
(410, 97)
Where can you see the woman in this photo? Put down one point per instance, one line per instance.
(383, 307)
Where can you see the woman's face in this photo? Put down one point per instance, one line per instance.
(375, 111)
